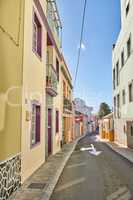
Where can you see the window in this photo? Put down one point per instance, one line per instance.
(64, 89)
(115, 107)
(67, 92)
(57, 121)
(124, 129)
(47, 58)
(37, 36)
(114, 78)
(123, 97)
(131, 130)
(122, 59)
(129, 47)
(117, 73)
(130, 92)
(127, 8)
(118, 105)
(35, 124)
(57, 68)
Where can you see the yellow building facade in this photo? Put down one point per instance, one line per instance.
(106, 127)
(29, 59)
(11, 65)
(66, 104)
(53, 81)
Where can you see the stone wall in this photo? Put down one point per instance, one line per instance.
(10, 178)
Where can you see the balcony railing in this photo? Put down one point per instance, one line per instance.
(51, 80)
(54, 19)
(67, 105)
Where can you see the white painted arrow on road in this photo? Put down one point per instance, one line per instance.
(92, 150)
(86, 149)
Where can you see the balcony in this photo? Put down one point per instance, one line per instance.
(54, 20)
(67, 105)
(51, 81)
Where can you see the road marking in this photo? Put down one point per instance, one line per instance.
(95, 153)
(121, 194)
(76, 165)
(70, 184)
(92, 150)
(86, 149)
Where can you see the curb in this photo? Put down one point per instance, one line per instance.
(49, 190)
(120, 154)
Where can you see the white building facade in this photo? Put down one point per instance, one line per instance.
(81, 107)
(123, 77)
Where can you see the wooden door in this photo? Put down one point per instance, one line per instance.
(49, 131)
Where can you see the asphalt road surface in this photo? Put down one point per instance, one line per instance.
(106, 176)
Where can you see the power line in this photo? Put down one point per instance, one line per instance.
(81, 38)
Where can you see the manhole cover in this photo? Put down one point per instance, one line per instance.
(38, 186)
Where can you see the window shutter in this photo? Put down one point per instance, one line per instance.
(57, 121)
(37, 35)
(39, 39)
(38, 124)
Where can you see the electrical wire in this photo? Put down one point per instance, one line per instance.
(81, 38)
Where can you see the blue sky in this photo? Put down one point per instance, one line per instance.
(102, 25)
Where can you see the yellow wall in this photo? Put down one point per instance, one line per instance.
(68, 132)
(67, 90)
(56, 102)
(34, 84)
(11, 37)
(68, 125)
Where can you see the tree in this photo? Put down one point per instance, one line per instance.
(104, 110)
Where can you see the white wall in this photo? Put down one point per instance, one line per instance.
(126, 72)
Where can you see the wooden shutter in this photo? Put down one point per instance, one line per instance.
(38, 123)
(57, 121)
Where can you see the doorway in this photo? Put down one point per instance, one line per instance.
(49, 131)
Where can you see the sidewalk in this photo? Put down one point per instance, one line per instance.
(123, 151)
(42, 183)
(126, 152)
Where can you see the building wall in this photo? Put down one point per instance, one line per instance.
(34, 84)
(125, 72)
(11, 42)
(24, 73)
(124, 19)
(77, 130)
(11, 37)
(120, 135)
(67, 116)
(54, 103)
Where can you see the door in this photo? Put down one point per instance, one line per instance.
(49, 131)
(63, 130)
(130, 134)
(38, 124)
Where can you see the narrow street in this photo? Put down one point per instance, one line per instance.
(89, 177)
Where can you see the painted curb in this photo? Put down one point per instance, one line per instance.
(49, 191)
